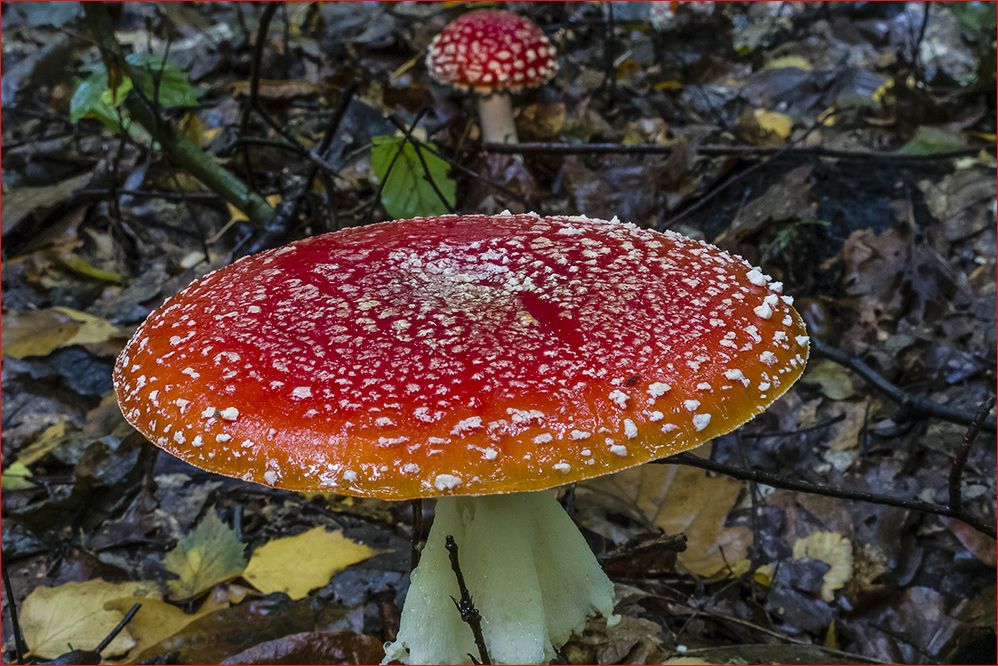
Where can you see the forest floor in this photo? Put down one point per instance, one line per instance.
(846, 148)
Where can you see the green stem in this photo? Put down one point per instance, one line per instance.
(182, 151)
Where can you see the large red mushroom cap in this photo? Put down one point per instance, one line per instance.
(460, 355)
(491, 49)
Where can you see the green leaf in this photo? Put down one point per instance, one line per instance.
(210, 554)
(930, 140)
(16, 477)
(407, 192)
(94, 98)
(155, 76)
(88, 101)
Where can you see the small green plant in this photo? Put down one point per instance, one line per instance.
(408, 188)
(157, 80)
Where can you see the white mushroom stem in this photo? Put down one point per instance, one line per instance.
(528, 569)
(495, 111)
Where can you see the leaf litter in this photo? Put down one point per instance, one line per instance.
(895, 255)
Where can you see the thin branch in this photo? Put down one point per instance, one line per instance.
(254, 77)
(148, 194)
(181, 150)
(407, 133)
(907, 400)
(956, 471)
(465, 606)
(725, 151)
(802, 486)
(117, 630)
(20, 648)
(417, 533)
(539, 207)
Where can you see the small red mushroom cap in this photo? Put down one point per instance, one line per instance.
(491, 49)
(460, 355)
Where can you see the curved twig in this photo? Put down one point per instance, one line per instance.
(828, 491)
(907, 400)
(723, 151)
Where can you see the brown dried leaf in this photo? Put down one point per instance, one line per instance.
(314, 647)
(541, 121)
(980, 546)
(684, 499)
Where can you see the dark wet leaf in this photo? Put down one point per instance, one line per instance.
(225, 633)
(76, 368)
(342, 647)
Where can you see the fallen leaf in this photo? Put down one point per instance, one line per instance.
(834, 380)
(980, 546)
(270, 89)
(684, 499)
(50, 438)
(834, 550)
(16, 476)
(155, 621)
(774, 124)
(236, 215)
(226, 632)
(208, 555)
(314, 647)
(19, 203)
(541, 121)
(72, 614)
(82, 267)
(317, 555)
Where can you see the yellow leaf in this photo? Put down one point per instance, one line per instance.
(834, 550)
(301, 563)
(36, 333)
(773, 123)
(92, 329)
(16, 477)
(684, 499)
(80, 266)
(40, 332)
(53, 618)
(41, 447)
(797, 62)
(155, 621)
(236, 215)
(834, 380)
(831, 642)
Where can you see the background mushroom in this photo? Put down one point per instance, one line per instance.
(492, 52)
(474, 358)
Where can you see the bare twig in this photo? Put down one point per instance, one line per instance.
(177, 147)
(19, 646)
(907, 400)
(956, 471)
(539, 207)
(254, 76)
(723, 151)
(117, 630)
(407, 133)
(802, 486)
(465, 606)
(417, 533)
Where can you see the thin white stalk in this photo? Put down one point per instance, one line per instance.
(495, 112)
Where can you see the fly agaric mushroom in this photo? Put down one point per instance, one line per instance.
(478, 359)
(492, 52)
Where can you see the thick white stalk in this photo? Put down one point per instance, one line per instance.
(528, 569)
(495, 111)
